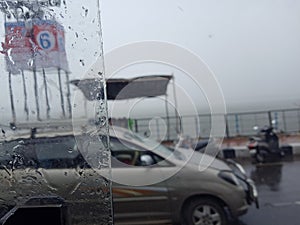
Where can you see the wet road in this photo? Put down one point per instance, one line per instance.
(278, 185)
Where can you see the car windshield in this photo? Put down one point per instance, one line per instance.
(153, 145)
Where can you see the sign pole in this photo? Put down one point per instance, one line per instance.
(11, 99)
(36, 95)
(168, 116)
(46, 94)
(61, 94)
(25, 95)
(178, 124)
(69, 95)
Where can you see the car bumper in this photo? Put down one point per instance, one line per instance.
(250, 197)
(241, 211)
(252, 194)
(249, 190)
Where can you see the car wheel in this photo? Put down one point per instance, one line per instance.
(204, 211)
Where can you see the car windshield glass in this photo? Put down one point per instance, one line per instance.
(153, 145)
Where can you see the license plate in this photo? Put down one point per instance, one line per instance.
(252, 151)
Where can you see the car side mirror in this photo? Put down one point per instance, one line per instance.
(146, 160)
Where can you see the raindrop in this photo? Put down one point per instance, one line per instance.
(16, 147)
(85, 11)
(82, 62)
(80, 172)
(13, 126)
(30, 62)
(70, 150)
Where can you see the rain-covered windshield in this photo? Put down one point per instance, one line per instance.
(45, 44)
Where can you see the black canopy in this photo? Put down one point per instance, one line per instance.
(119, 89)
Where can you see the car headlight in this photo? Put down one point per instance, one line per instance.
(229, 177)
(241, 168)
(237, 168)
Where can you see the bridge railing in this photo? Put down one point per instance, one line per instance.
(286, 121)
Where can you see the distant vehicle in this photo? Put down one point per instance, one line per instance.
(52, 165)
(265, 145)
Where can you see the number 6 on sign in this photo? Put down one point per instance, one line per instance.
(45, 40)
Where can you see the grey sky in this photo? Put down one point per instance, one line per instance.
(252, 47)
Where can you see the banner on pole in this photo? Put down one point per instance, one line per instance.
(50, 45)
(17, 47)
(40, 45)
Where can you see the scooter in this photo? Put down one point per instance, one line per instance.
(265, 145)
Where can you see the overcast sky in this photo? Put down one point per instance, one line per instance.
(252, 47)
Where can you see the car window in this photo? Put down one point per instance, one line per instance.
(6, 152)
(152, 144)
(47, 153)
(125, 154)
(17, 154)
(57, 153)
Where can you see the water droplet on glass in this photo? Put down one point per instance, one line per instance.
(85, 12)
(82, 62)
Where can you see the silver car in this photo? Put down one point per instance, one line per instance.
(151, 184)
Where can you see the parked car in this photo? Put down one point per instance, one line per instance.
(55, 166)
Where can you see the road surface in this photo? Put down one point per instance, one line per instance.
(278, 185)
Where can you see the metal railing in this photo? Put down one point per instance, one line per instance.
(237, 124)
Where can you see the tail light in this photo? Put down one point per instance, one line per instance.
(252, 145)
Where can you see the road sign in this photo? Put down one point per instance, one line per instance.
(50, 42)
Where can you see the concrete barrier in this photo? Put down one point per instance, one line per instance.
(296, 148)
(243, 152)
